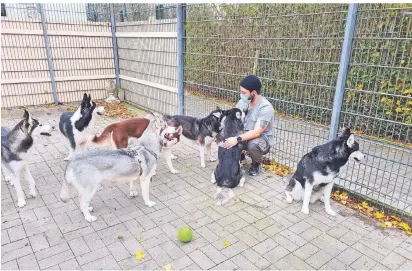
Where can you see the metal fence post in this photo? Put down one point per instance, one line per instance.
(114, 41)
(180, 58)
(343, 69)
(48, 53)
(124, 12)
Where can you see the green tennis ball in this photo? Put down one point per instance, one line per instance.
(185, 234)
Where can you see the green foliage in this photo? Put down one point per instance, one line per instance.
(299, 48)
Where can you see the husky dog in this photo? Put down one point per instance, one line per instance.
(317, 170)
(117, 134)
(14, 144)
(201, 130)
(228, 173)
(88, 169)
(75, 125)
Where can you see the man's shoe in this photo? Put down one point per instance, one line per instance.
(254, 170)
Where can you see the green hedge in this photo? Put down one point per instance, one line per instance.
(299, 49)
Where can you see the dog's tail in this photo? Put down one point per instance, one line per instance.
(104, 137)
(223, 195)
(65, 192)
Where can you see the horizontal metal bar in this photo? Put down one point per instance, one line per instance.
(57, 79)
(264, 58)
(146, 34)
(150, 84)
(358, 114)
(376, 93)
(266, 38)
(265, 78)
(6, 31)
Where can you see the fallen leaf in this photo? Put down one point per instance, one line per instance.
(188, 165)
(141, 240)
(386, 224)
(405, 226)
(140, 255)
(226, 243)
(120, 237)
(379, 215)
(167, 267)
(364, 204)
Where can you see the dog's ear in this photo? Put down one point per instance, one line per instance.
(351, 141)
(89, 99)
(84, 97)
(26, 115)
(179, 130)
(217, 114)
(239, 115)
(345, 133)
(218, 108)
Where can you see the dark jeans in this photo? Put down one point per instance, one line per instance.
(257, 148)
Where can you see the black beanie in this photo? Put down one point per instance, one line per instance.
(251, 83)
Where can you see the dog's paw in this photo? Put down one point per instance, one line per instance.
(33, 193)
(289, 199)
(67, 158)
(212, 159)
(202, 165)
(21, 203)
(7, 179)
(322, 199)
(305, 210)
(133, 193)
(174, 171)
(173, 157)
(331, 212)
(150, 204)
(154, 174)
(90, 208)
(90, 218)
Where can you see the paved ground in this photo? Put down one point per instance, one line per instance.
(385, 175)
(262, 230)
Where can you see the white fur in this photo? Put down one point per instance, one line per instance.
(21, 169)
(351, 141)
(82, 137)
(358, 155)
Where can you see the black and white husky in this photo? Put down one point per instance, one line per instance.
(201, 130)
(75, 126)
(228, 173)
(316, 171)
(14, 144)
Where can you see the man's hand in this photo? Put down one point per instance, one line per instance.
(230, 142)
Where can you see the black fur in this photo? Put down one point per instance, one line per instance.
(228, 172)
(197, 128)
(66, 128)
(330, 156)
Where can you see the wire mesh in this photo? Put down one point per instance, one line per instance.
(378, 103)
(80, 47)
(295, 50)
(147, 56)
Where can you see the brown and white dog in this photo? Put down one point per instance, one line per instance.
(117, 134)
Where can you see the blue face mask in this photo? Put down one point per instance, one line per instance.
(244, 98)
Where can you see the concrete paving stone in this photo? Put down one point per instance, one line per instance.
(258, 223)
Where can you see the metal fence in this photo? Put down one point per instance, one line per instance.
(53, 53)
(323, 66)
(299, 52)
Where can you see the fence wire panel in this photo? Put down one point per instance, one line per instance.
(295, 49)
(378, 104)
(146, 37)
(23, 57)
(81, 53)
